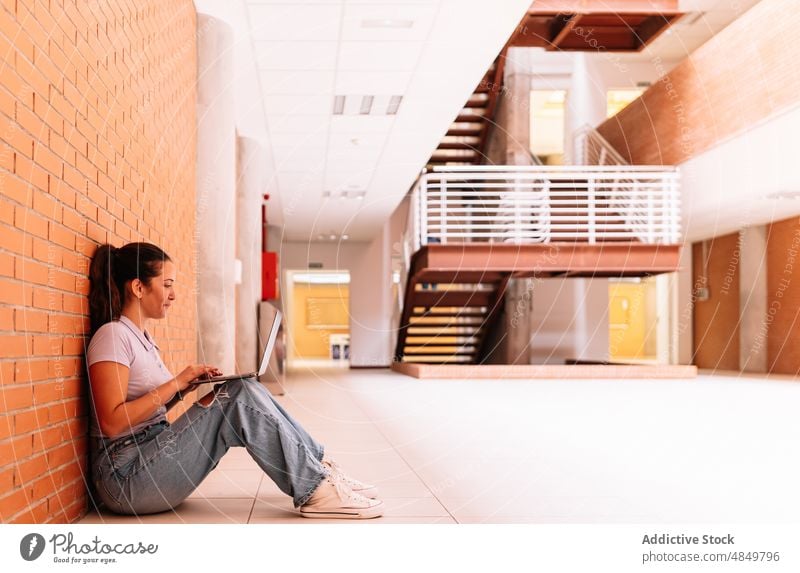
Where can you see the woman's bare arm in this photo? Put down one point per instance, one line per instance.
(109, 384)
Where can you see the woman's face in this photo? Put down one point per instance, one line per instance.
(159, 294)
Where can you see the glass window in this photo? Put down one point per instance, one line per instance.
(616, 100)
(547, 125)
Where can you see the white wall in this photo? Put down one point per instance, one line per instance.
(339, 255)
(553, 321)
(370, 305)
(749, 180)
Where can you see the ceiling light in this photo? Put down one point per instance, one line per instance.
(338, 105)
(345, 237)
(332, 236)
(387, 23)
(322, 278)
(366, 104)
(394, 103)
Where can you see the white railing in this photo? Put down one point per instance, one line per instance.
(541, 204)
(594, 149)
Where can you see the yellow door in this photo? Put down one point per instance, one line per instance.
(627, 320)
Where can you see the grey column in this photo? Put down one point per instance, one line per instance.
(518, 317)
(753, 299)
(216, 194)
(517, 117)
(250, 185)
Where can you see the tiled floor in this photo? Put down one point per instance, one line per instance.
(715, 449)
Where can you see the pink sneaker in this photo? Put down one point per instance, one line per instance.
(362, 488)
(334, 500)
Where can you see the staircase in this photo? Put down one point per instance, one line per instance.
(447, 322)
(471, 229)
(466, 139)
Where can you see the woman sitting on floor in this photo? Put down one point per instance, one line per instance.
(143, 464)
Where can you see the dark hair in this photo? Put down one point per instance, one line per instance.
(111, 269)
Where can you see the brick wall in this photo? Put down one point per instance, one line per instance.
(747, 73)
(97, 143)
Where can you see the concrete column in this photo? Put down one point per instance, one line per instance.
(685, 307)
(216, 194)
(591, 319)
(517, 116)
(753, 299)
(371, 305)
(251, 180)
(586, 101)
(518, 321)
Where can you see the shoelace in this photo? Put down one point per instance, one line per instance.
(344, 492)
(337, 471)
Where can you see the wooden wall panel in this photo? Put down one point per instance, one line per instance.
(783, 292)
(747, 73)
(716, 320)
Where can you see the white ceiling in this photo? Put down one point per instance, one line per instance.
(294, 56)
(306, 53)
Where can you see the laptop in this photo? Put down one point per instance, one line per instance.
(271, 338)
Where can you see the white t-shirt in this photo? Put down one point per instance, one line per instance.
(122, 342)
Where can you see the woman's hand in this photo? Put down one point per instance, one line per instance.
(192, 373)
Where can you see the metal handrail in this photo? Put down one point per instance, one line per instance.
(594, 149)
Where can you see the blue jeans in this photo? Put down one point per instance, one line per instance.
(157, 468)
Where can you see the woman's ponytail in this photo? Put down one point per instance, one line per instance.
(105, 303)
(111, 269)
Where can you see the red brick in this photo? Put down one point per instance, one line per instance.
(75, 303)
(12, 504)
(15, 449)
(29, 222)
(18, 190)
(15, 135)
(6, 157)
(46, 298)
(47, 159)
(16, 86)
(62, 236)
(13, 292)
(26, 169)
(73, 346)
(36, 513)
(16, 397)
(13, 30)
(29, 320)
(63, 454)
(33, 78)
(45, 204)
(29, 470)
(6, 373)
(30, 420)
(63, 192)
(29, 370)
(46, 345)
(47, 252)
(7, 479)
(7, 265)
(48, 114)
